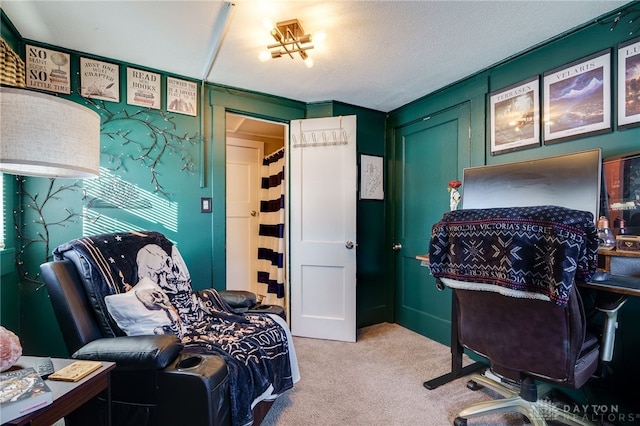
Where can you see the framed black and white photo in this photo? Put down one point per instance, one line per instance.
(182, 96)
(629, 84)
(99, 80)
(515, 116)
(577, 99)
(371, 177)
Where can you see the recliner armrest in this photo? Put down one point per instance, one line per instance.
(238, 298)
(133, 352)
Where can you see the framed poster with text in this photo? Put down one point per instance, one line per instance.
(577, 98)
(48, 70)
(182, 96)
(515, 116)
(99, 80)
(143, 88)
(629, 84)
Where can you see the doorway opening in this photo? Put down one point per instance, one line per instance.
(256, 198)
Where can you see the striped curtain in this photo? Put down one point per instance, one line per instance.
(271, 242)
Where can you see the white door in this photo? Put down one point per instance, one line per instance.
(244, 160)
(323, 228)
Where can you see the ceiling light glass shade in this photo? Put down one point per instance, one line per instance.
(43, 135)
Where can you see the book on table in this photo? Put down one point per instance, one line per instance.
(22, 392)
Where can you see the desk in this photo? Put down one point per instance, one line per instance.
(618, 284)
(621, 285)
(67, 396)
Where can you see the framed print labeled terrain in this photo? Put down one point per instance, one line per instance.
(515, 116)
(577, 99)
(629, 84)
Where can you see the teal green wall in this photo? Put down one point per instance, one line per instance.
(200, 236)
(475, 89)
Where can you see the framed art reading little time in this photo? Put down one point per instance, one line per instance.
(577, 98)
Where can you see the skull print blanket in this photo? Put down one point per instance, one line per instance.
(531, 252)
(257, 348)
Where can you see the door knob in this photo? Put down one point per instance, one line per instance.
(254, 213)
(396, 246)
(349, 245)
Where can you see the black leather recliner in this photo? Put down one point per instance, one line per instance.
(155, 382)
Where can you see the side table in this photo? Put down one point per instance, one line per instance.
(67, 396)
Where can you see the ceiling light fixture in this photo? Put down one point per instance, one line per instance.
(290, 38)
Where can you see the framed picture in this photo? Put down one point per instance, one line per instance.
(515, 116)
(577, 98)
(143, 88)
(371, 177)
(99, 80)
(182, 96)
(48, 69)
(629, 84)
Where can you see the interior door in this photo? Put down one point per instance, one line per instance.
(244, 159)
(323, 228)
(428, 154)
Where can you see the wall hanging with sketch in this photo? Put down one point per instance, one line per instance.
(371, 177)
(515, 116)
(577, 98)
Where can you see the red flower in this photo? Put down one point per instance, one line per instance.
(455, 184)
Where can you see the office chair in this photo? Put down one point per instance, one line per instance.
(526, 340)
(527, 331)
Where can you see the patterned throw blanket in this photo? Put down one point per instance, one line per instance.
(255, 346)
(533, 252)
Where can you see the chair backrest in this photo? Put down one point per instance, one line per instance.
(71, 307)
(522, 336)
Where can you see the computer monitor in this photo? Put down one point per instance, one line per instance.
(569, 180)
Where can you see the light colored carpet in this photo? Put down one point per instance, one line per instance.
(376, 382)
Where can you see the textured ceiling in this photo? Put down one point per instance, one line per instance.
(377, 54)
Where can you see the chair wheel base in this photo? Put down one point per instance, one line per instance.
(473, 385)
(459, 421)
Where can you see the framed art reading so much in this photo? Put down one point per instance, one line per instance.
(577, 98)
(515, 116)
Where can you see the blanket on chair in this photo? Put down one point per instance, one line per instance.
(534, 252)
(255, 346)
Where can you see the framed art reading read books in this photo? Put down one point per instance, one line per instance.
(629, 84)
(577, 98)
(143, 88)
(515, 116)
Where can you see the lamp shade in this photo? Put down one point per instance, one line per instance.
(43, 135)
